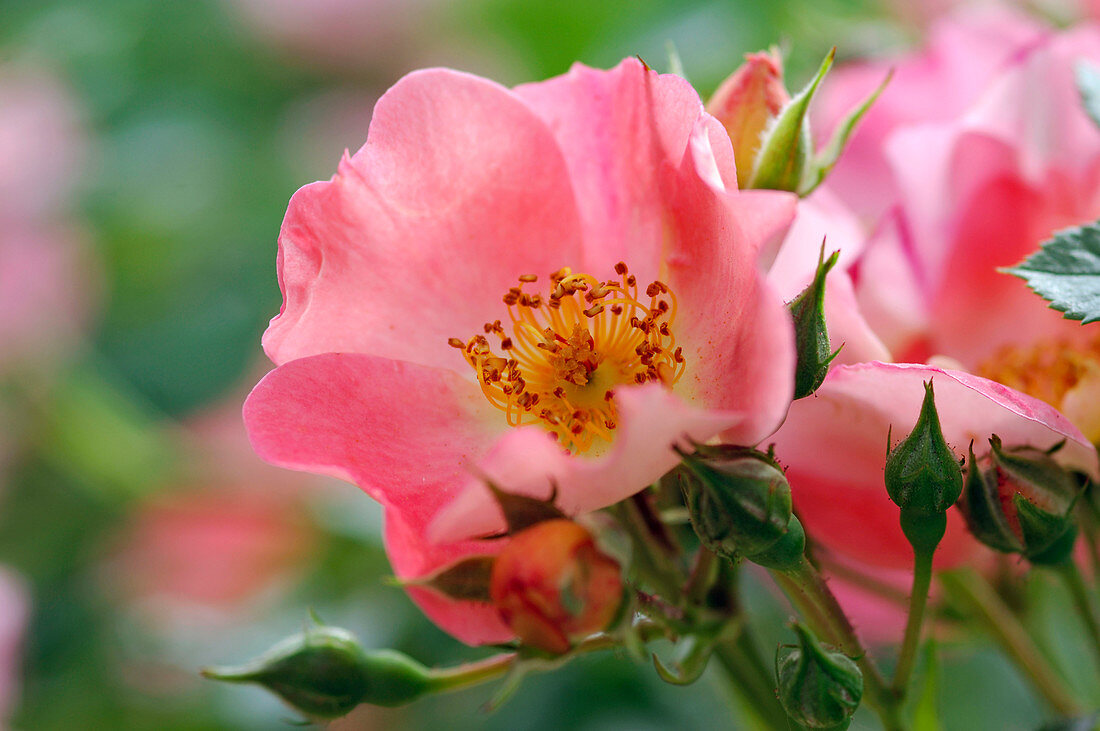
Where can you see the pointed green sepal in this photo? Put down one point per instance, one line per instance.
(818, 688)
(464, 580)
(787, 145)
(826, 158)
(981, 507)
(1043, 532)
(811, 335)
(522, 511)
(324, 673)
(786, 554)
(922, 476)
(691, 657)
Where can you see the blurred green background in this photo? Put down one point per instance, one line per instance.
(144, 538)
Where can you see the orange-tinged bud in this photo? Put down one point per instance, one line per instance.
(552, 585)
(746, 103)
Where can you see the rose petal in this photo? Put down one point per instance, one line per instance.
(407, 434)
(420, 233)
(526, 461)
(412, 556)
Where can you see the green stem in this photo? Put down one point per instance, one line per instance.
(481, 671)
(656, 565)
(918, 599)
(741, 661)
(738, 655)
(807, 590)
(969, 589)
(1082, 601)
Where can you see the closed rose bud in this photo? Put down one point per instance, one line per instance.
(746, 103)
(324, 673)
(1018, 500)
(552, 585)
(738, 499)
(817, 688)
(923, 478)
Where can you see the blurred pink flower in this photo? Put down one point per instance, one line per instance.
(46, 280)
(464, 191)
(963, 52)
(13, 624)
(967, 177)
(340, 33)
(979, 192)
(42, 145)
(233, 534)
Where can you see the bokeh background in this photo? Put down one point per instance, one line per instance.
(147, 152)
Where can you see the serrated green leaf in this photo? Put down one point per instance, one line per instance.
(1088, 86)
(1066, 272)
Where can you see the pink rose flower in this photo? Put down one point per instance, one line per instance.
(968, 183)
(981, 192)
(648, 320)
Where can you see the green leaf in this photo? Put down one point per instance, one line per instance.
(1088, 86)
(1066, 272)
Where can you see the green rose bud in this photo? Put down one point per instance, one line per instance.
(1019, 500)
(324, 673)
(924, 478)
(738, 499)
(811, 335)
(817, 688)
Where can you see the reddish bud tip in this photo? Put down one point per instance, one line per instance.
(552, 585)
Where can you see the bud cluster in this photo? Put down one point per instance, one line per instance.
(818, 688)
(1019, 500)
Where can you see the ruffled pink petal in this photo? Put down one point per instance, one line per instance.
(412, 557)
(891, 293)
(527, 461)
(735, 329)
(458, 190)
(822, 220)
(621, 132)
(835, 446)
(617, 130)
(405, 433)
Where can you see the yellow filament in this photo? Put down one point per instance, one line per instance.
(568, 351)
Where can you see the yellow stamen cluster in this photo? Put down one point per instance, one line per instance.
(1046, 370)
(563, 355)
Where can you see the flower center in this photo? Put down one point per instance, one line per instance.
(563, 356)
(1046, 370)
